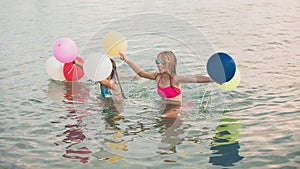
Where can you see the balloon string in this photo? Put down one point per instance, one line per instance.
(71, 69)
(120, 85)
(201, 106)
(80, 66)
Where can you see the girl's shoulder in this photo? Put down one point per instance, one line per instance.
(176, 80)
(156, 75)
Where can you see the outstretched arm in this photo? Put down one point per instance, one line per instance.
(193, 79)
(137, 69)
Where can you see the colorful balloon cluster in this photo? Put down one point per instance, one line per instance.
(222, 69)
(67, 65)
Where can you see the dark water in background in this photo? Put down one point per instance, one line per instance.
(259, 127)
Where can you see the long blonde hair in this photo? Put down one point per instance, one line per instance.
(170, 58)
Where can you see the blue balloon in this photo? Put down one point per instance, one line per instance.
(221, 67)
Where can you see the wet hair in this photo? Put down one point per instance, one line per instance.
(114, 73)
(170, 58)
(114, 68)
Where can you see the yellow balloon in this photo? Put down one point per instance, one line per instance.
(233, 83)
(115, 159)
(113, 43)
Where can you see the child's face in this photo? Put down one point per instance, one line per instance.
(161, 64)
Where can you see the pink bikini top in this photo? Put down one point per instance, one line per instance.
(168, 92)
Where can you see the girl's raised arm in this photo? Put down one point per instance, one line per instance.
(137, 69)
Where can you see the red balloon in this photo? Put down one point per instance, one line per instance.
(72, 71)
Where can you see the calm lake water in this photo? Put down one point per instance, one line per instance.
(49, 124)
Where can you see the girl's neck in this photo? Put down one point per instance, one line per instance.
(165, 75)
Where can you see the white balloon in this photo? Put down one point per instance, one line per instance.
(97, 68)
(54, 69)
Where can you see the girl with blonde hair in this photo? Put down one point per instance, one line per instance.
(168, 81)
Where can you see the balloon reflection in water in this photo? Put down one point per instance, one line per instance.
(73, 92)
(225, 145)
(76, 93)
(115, 141)
(75, 135)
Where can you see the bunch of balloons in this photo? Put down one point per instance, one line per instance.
(222, 69)
(67, 65)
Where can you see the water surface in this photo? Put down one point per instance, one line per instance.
(57, 125)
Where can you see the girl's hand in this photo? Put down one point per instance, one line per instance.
(123, 56)
(211, 80)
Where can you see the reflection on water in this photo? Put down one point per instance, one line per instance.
(170, 130)
(56, 90)
(263, 36)
(129, 136)
(171, 135)
(120, 135)
(115, 138)
(74, 136)
(73, 93)
(225, 146)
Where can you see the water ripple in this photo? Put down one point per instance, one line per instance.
(43, 126)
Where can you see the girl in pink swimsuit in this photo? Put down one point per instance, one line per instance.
(168, 82)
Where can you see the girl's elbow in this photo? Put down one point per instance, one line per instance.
(144, 75)
(141, 74)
